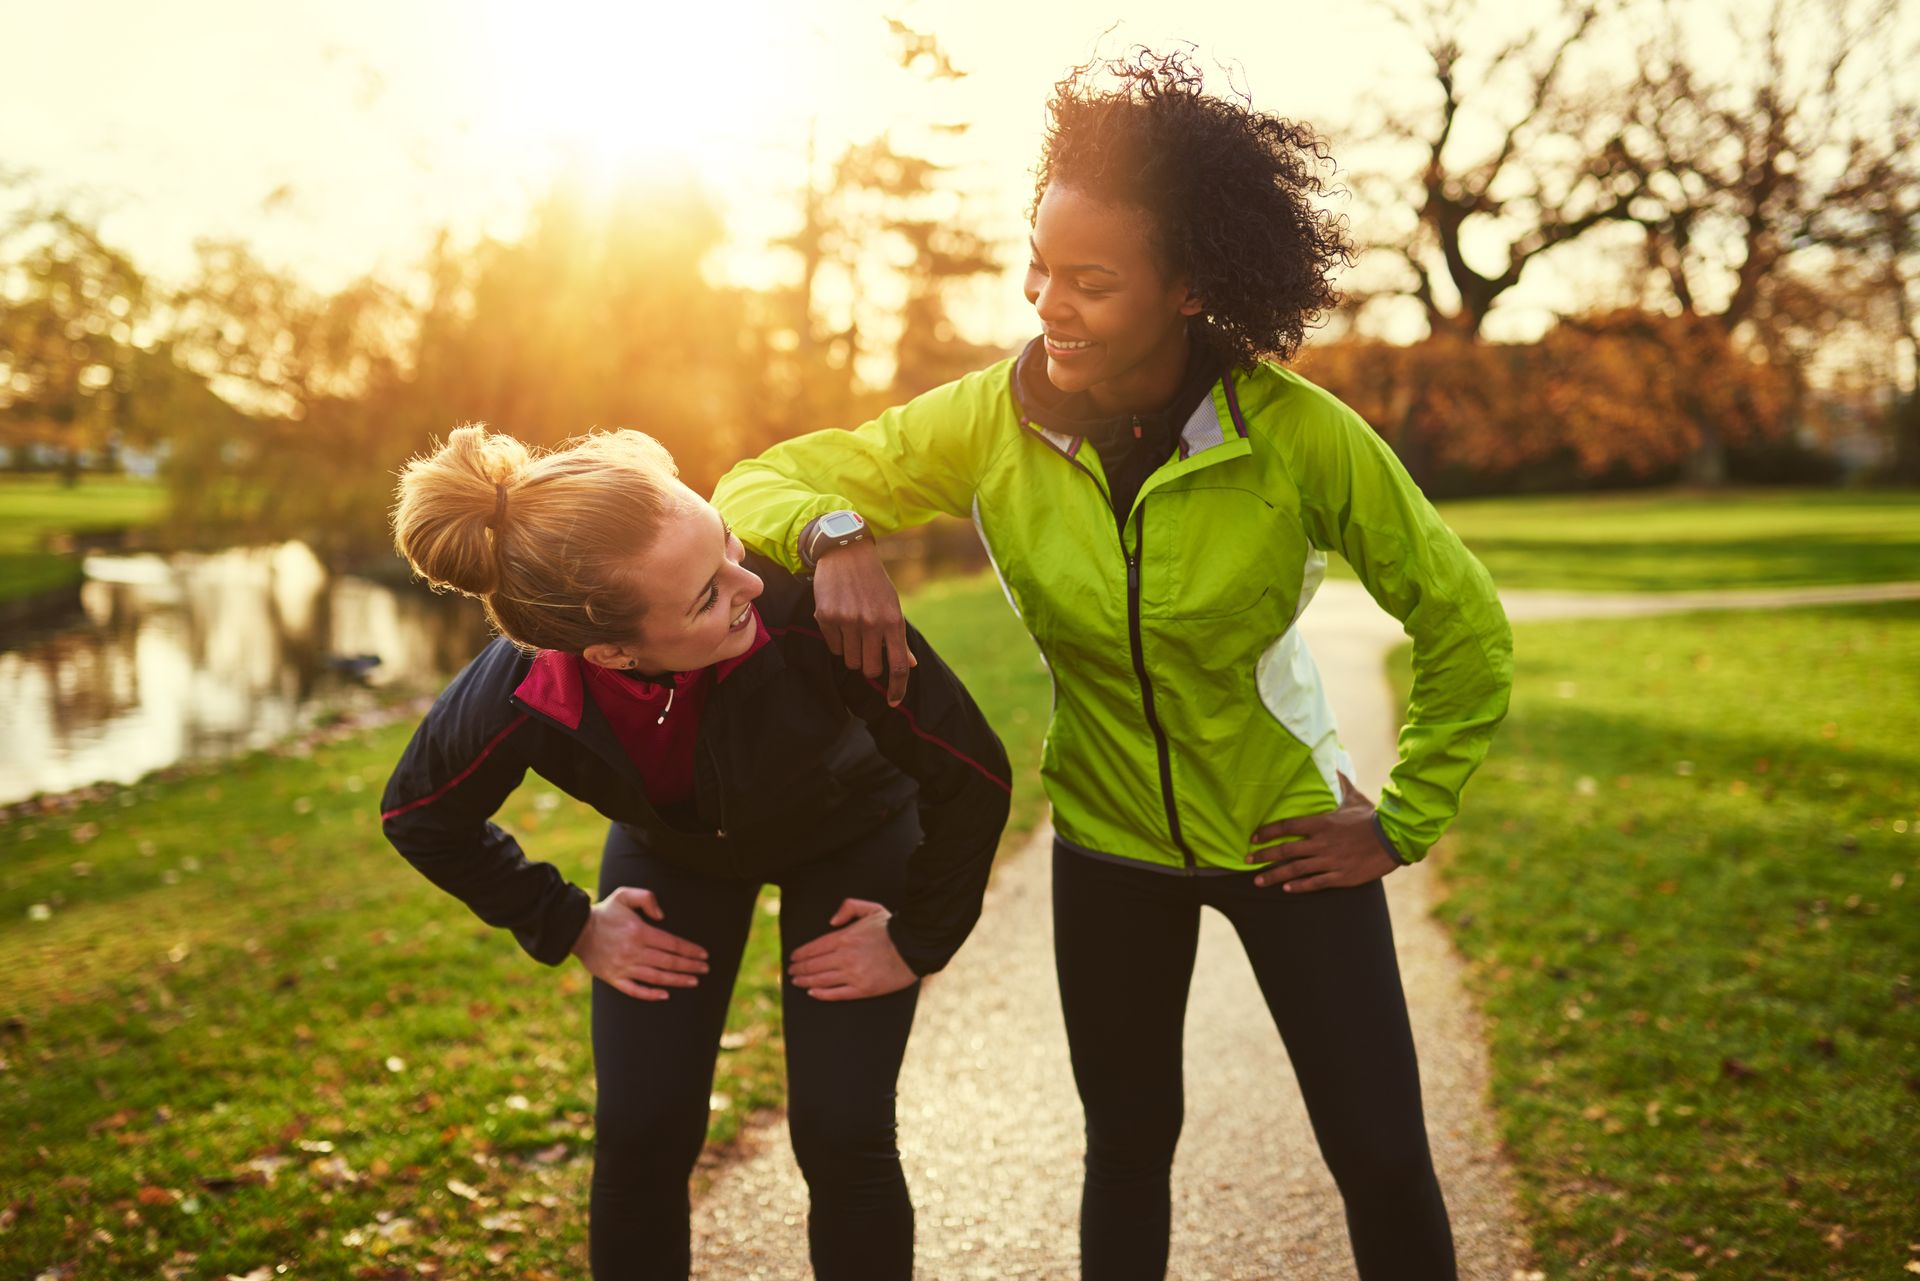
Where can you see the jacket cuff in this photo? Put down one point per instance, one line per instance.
(805, 540)
(551, 940)
(922, 960)
(1380, 830)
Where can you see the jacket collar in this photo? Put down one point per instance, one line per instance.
(555, 684)
(1045, 411)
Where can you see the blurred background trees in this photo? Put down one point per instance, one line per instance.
(1745, 228)
(1742, 242)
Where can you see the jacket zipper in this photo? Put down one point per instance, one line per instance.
(719, 785)
(1146, 686)
(1139, 655)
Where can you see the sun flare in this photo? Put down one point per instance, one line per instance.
(626, 89)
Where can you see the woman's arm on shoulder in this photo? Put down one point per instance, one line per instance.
(903, 468)
(912, 463)
(939, 736)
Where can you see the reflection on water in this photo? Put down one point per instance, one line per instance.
(202, 655)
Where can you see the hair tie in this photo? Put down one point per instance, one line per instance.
(499, 506)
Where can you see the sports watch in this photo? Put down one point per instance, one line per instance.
(835, 529)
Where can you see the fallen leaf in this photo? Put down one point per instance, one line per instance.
(268, 1167)
(333, 1171)
(113, 1122)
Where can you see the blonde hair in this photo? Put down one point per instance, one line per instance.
(544, 538)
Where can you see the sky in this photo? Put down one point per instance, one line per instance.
(338, 138)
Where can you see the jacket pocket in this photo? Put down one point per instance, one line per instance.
(1212, 552)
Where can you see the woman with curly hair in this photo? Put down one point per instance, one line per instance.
(1159, 495)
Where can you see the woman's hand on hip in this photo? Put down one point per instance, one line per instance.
(859, 615)
(1339, 848)
(620, 948)
(856, 959)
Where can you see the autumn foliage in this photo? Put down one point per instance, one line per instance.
(1625, 394)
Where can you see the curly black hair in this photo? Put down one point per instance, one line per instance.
(1229, 192)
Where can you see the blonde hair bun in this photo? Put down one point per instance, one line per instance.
(546, 538)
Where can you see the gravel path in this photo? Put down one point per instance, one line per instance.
(990, 1125)
(1529, 606)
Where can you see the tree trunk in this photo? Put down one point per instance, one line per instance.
(1906, 439)
(1708, 465)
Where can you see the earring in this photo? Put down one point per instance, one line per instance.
(632, 663)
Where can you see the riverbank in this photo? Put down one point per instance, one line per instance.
(43, 526)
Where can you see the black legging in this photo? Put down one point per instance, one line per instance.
(1124, 941)
(654, 1061)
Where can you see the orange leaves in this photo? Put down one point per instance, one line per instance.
(1621, 391)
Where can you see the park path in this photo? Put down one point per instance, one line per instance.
(990, 1127)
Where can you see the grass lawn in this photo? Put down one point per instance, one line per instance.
(1682, 882)
(238, 1031)
(34, 508)
(1681, 541)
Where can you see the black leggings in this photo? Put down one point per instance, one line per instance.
(654, 1061)
(1124, 941)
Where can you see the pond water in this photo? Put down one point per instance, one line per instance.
(195, 655)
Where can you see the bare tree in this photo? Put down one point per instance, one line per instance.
(1785, 161)
(890, 217)
(1517, 157)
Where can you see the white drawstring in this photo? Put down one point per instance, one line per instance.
(669, 707)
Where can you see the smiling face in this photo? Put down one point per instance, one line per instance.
(694, 594)
(1115, 324)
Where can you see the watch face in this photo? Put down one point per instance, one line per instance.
(839, 524)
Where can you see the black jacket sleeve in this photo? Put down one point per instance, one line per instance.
(939, 736)
(460, 767)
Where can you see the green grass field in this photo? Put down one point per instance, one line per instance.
(35, 508)
(1676, 542)
(237, 1030)
(1682, 881)
(1663, 541)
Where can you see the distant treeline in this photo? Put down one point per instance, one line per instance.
(1761, 222)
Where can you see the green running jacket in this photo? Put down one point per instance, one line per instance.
(1187, 710)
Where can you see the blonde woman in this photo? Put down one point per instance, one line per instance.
(651, 668)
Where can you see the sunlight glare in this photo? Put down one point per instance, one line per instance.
(624, 90)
